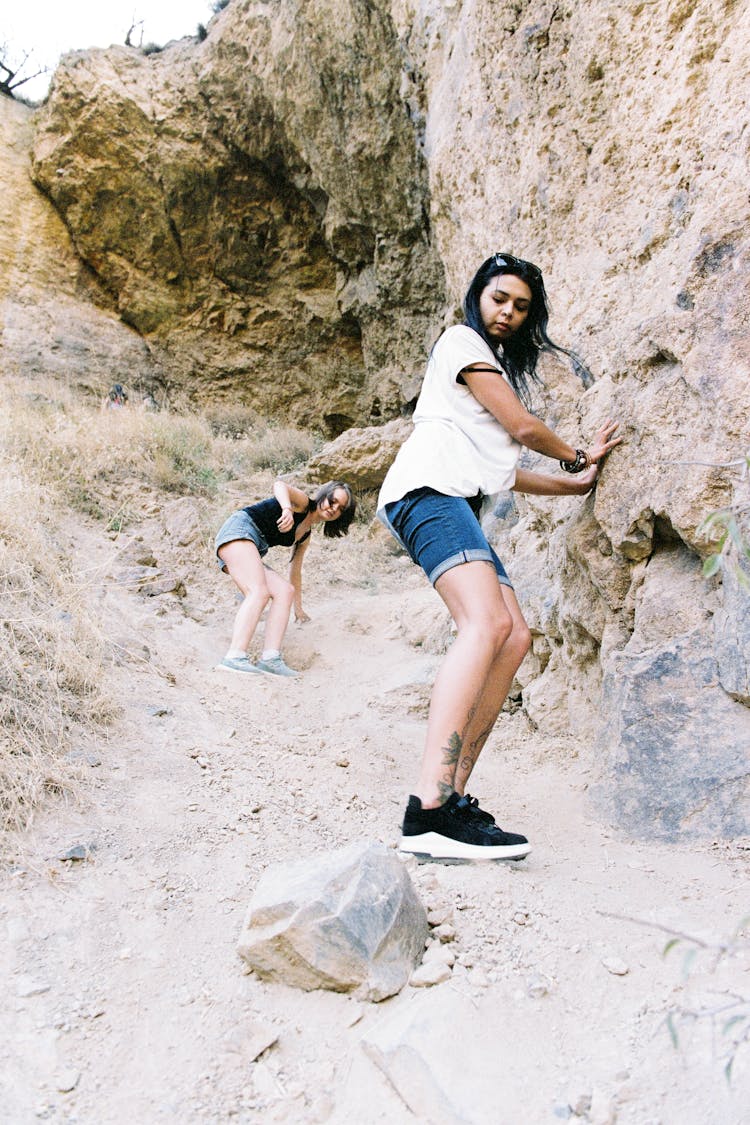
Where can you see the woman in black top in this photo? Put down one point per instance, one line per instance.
(285, 519)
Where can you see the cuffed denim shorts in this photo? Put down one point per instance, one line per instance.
(239, 526)
(439, 532)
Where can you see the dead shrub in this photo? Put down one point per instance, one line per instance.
(52, 656)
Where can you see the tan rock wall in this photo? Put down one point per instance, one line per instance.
(255, 205)
(288, 212)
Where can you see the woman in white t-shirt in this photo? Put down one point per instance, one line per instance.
(471, 421)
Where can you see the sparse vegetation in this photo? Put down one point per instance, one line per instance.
(100, 459)
(729, 531)
(52, 655)
(57, 453)
(729, 1015)
(12, 75)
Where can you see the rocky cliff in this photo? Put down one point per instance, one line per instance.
(287, 212)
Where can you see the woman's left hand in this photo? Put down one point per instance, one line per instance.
(285, 522)
(583, 482)
(300, 615)
(603, 443)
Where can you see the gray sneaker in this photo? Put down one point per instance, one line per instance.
(237, 664)
(276, 667)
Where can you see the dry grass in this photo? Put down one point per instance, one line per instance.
(97, 458)
(52, 657)
(59, 453)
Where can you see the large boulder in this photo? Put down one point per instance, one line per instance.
(344, 920)
(254, 205)
(361, 457)
(676, 743)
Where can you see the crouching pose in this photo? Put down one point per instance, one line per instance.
(285, 519)
(471, 422)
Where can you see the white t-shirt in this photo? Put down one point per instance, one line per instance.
(457, 447)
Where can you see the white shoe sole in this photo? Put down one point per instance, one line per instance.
(435, 846)
(239, 671)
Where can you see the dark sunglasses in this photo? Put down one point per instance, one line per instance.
(507, 261)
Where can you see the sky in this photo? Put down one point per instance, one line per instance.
(48, 28)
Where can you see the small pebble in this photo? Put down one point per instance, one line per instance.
(76, 852)
(615, 966)
(67, 1080)
(427, 975)
(27, 986)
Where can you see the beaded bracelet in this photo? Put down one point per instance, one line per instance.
(581, 462)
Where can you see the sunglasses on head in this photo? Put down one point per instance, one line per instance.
(507, 261)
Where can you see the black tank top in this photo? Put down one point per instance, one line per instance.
(264, 515)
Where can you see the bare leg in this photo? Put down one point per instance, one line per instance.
(473, 595)
(495, 691)
(282, 595)
(243, 561)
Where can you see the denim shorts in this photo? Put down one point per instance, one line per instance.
(239, 526)
(439, 532)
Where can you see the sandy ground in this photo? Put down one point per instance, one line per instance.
(125, 1000)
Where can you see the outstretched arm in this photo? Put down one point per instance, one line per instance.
(295, 577)
(495, 395)
(549, 484)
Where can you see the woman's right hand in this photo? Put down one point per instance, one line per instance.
(603, 442)
(285, 522)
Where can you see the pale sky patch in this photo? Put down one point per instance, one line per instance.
(48, 28)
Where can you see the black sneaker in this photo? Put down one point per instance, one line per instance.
(452, 831)
(472, 807)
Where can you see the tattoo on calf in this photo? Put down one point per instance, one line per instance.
(445, 788)
(452, 752)
(451, 755)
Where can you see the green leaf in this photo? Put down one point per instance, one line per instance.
(687, 963)
(730, 1023)
(743, 922)
(711, 565)
(728, 1069)
(735, 533)
(670, 945)
(672, 1030)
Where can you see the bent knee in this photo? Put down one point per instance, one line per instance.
(496, 630)
(521, 638)
(258, 595)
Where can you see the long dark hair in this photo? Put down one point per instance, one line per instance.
(520, 352)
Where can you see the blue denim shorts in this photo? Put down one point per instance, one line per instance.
(439, 532)
(239, 526)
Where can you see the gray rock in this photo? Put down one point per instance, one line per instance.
(678, 746)
(77, 852)
(732, 636)
(342, 920)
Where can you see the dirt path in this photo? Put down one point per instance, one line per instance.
(124, 997)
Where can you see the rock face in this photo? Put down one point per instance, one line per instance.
(54, 318)
(361, 456)
(345, 920)
(288, 212)
(255, 206)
